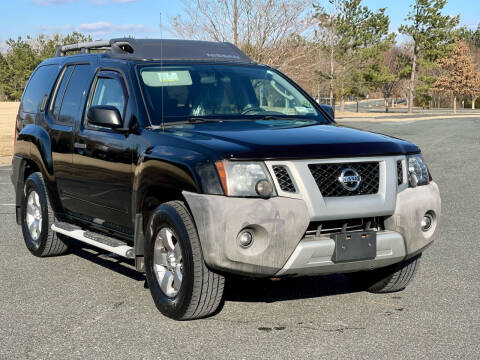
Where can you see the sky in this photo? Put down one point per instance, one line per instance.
(105, 19)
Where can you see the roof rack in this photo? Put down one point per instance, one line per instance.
(161, 49)
(86, 47)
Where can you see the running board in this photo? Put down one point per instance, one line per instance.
(95, 239)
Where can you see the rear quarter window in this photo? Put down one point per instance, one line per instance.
(65, 77)
(39, 85)
(74, 96)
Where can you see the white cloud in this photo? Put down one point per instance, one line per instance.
(100, 28)
(95, 2)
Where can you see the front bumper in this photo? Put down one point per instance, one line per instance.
(279, 225)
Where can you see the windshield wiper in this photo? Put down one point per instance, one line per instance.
(199, 119)
(273, 117)
(192, 120)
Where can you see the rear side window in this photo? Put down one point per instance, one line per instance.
(73, 99)
(55, 109)
(38, 88)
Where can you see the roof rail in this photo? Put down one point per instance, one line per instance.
(120, 45)
(166, 49)
(84, 47)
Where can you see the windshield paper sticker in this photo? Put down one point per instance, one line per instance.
(157, 78)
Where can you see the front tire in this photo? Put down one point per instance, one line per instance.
(37, 220)
(182, 286)
(385, 280)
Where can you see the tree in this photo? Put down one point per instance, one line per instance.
(460, 74)
(471, 37)
(326, 34)
(431, 33)
(3, 79)
(256, 26)
(354, 37)
(475, 95)
(20, 61)
(24, 55)
(388, 76)
(46, 46)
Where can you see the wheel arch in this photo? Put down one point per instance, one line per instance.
(156, 181)
(33, 154)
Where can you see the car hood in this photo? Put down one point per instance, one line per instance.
(288, 139)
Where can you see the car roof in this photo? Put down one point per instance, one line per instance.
(159, 50)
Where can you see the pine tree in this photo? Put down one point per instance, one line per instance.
(355, 38)
(461, 77)
(24, 55)
(3, 76)
(431, 33)
(21, 59)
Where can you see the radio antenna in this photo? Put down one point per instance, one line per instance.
(161, 71)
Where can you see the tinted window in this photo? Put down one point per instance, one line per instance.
(74, 99)
(109, 92)
(40, 84)
(61, 89)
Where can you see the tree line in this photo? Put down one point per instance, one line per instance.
(341, 49)
(24, 55)
(336, 49)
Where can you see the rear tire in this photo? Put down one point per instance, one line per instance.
(389, 279)
(182, 286)
(37, 220)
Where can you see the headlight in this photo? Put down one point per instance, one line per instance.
(249, 179)
(417, 171)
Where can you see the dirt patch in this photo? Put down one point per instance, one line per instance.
(8, 113)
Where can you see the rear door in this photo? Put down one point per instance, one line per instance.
(103, 158)
(65, 110)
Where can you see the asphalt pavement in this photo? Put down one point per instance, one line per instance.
(88, 305)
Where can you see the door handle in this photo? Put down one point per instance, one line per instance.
(79, 146)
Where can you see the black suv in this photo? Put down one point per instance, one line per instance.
(196, 162)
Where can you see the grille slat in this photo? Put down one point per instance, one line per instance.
(284, 180)
(326, 176)
(399, 172)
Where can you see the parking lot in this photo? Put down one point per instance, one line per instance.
(90, 305)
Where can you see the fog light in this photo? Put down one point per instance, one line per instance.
(264, 188)
(245, 238)
(426, 222)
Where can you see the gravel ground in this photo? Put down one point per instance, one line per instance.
(90, 305)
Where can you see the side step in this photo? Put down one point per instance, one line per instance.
(95, 239)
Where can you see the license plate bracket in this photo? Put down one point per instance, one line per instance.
(354, 246)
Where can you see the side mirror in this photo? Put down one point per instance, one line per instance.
(104, 116)
(329, 110)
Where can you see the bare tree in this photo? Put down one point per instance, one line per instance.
(327, 35)
(390, 81)
(256, 26)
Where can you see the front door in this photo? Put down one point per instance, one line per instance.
(103, 159)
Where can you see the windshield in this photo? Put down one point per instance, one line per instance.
(223, 92)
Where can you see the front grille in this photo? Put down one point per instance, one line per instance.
(327, 178)
(284, 180)
(399, 172)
